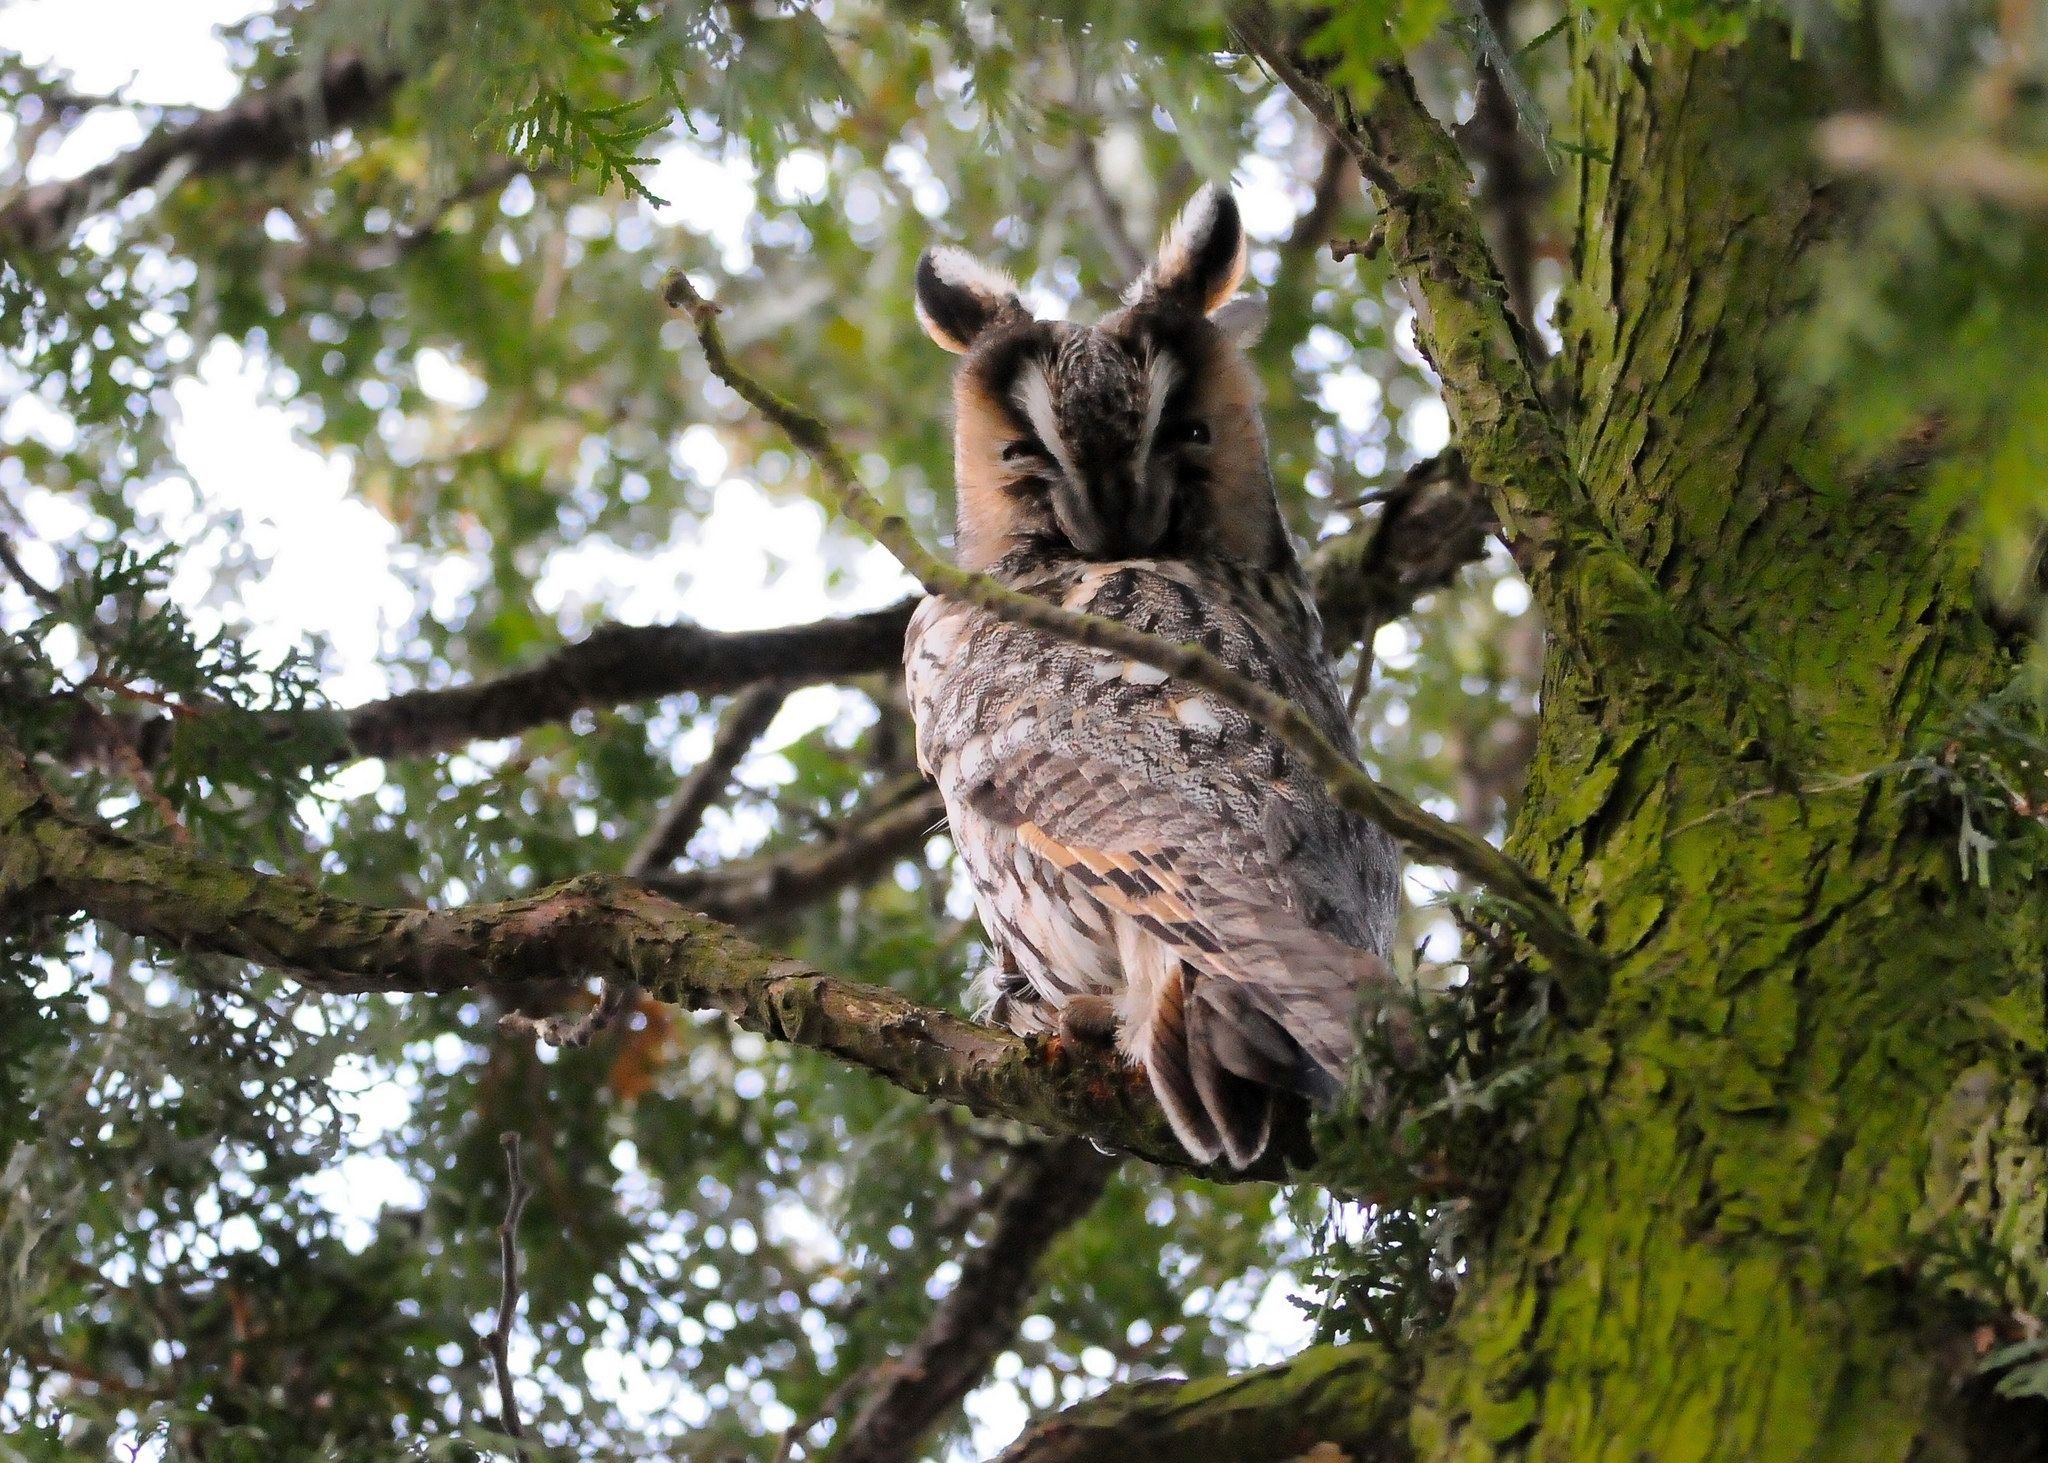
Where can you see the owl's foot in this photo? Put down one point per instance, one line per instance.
(1088, 1021)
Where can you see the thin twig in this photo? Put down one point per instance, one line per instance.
(1548, 927)
(508, 1298)
(41, 593)
(835, 1399)
(777, 885)
(741, 726)
(1044, 1191)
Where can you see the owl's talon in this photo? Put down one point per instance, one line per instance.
(1088, 1021)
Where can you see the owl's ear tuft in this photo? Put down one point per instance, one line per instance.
(959, 297)
(1201, 259)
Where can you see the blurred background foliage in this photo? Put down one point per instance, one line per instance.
(240, 1221)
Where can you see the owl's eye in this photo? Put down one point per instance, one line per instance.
(1025, 449)
(1192, 433)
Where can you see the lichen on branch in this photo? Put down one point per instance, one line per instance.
(53, 861)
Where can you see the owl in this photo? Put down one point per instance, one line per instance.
(1151, 866)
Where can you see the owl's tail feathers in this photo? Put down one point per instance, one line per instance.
(1276, 1012)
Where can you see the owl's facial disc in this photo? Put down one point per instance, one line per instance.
(1094, 404)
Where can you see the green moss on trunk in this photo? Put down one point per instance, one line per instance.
(1724, 1244)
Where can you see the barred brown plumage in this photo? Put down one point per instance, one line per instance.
(1130, 839)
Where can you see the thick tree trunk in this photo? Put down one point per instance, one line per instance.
(1808, 1080)
(1796, 1160)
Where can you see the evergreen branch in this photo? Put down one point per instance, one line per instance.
(1329, 1402)
(54, 862)
(1548, 927)
(274, 124)
(1043, 1192)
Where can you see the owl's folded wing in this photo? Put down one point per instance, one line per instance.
(1237, 993)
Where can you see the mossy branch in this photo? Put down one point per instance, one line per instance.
(1548, 927)
(1593, 595)
(1329, 1402)
(53, 861)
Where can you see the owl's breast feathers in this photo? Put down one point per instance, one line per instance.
(1130, 836)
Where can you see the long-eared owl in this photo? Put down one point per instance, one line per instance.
(1145, 858)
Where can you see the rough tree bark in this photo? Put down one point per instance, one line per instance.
(1818, 1066)
(1720, 1245)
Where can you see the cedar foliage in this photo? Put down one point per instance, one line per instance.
(754, 1228)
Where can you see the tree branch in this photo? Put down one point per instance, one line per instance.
(1354, 1397)
(270, 125)
(1509, 189)
(1042, 1193)
(1433, 521)
(738, 729)
(614, 665)
(1593, 595)
(500, 1341)
(52, 861)
(1541, 918)
(741, 726)
(778, 884)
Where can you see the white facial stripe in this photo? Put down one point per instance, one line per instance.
(1034, 397)
(1160, 375)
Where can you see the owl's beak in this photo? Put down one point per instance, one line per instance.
(1109, 520)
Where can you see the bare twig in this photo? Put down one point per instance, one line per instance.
(1313, 227)
(508, 1298)
(1545, 923)
(490, 180)
(1044, 1191)
(267, 126)
(741, 726)
(779, 884)
(829, 1408)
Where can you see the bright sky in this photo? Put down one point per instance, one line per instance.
(331, 555)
